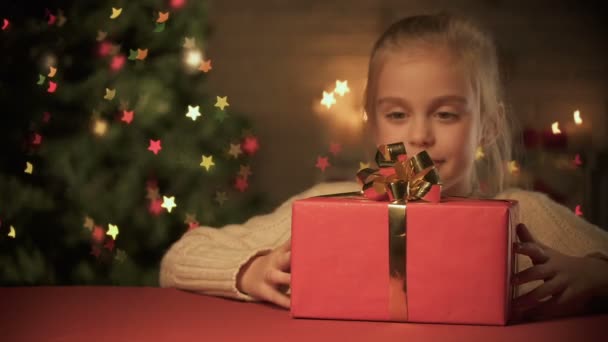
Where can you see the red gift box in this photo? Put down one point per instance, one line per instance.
(458, 261)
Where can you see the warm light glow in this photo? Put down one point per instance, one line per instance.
(577, 117)
(555, 128)
(194, 58)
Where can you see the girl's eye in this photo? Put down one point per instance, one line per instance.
(447, 116)
(396, 116)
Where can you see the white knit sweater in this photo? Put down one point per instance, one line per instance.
(207, 260)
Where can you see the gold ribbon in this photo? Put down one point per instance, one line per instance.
(402, 180)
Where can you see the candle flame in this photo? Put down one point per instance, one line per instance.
(577, 117)
(555, 128)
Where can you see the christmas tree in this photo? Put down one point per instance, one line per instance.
(112, 144)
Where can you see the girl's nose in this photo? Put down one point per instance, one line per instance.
(420, 133)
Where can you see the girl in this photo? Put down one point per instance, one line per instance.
(433, 84)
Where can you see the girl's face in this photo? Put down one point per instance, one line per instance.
(427, 101)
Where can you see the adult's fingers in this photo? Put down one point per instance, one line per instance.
(536, 252)
(534, 297)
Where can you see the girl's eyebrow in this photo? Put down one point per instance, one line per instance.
(395, 100)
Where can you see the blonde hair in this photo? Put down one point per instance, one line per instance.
(477, 53)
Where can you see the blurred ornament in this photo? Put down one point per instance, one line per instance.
(578, 211)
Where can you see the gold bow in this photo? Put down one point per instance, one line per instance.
(401, 179)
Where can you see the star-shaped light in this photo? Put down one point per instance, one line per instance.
(578, 211)
(37, 139)
(112, 230)
(52, 87)
(115, 13)
(341, 88)
(29, 168)
(110, 93)
(120, 256)
(241, 184)
(245, 171)
(41, 79)
(127, 116)
(221, 197)
(152, 193)
(109, 245)
(142, 54)
(169, 203)
(577, 160)
(52, 72)
(101, 35)
(155, 207)
(132, 54)
(162, 17)
(322, 163)
(52, 19)
(222, 102)
(205, 67)
(513, 167)
(5, 24)
(193, 112)
(250, 145)
(207, 162)
(88, 223)
(12, 233)
(189, 43)
(117, 63)
(328, 99)
(335, 148)
(235, 150)
(154, 146)
(98, 233)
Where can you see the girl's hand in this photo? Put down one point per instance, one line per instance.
(265, 277)
(569, 281)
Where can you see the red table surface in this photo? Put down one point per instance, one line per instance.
(155, 314)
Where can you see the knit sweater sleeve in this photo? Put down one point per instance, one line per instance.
(207, 260)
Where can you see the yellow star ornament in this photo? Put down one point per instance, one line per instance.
(112, 231)
(221, 102)
(168, 203)
(207, 162)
